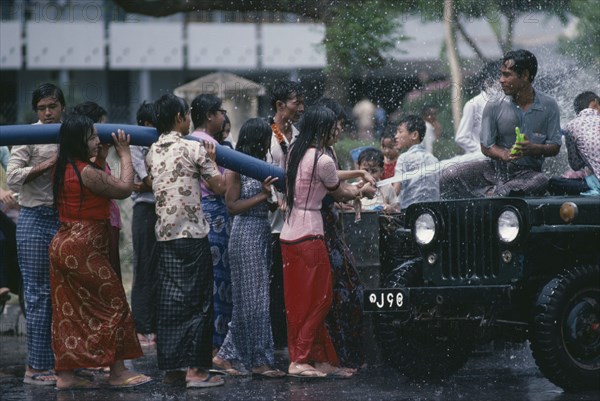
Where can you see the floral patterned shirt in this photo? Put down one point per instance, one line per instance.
(582, 136)
(175, 166)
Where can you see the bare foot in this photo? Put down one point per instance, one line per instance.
(329, 369)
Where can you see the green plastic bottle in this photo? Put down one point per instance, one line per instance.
(519, 137)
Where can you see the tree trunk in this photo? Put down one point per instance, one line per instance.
(336, 76)
(457, 81)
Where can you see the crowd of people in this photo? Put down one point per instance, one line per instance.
(228, 268)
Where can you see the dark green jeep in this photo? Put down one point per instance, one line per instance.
(513, 269)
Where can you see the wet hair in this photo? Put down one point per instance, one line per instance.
(90, 109)
(583, 100)
(316, 128)
(202, 105)
(371, 155)
(166, 109)
(414, 123)
(523, 60)
(334, 106)
(284, 91)
(255, 138)
(44, 91)
(145, 114)
(72, 139)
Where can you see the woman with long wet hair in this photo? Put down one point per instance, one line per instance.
(311, 175)
(91, 320)
(249, 339)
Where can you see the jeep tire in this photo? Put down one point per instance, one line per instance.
(565, 335)
(417, 349)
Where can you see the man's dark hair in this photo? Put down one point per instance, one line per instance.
(523, 60)
(414, 123)
(92, 110)
(44, 91)
(284, 91)
(583, 100)
(166, 109)
(145, 114)
(371, 155)
(334, 106)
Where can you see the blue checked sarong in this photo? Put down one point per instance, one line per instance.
(35, 229)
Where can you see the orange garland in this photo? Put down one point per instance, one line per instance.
(278, 134)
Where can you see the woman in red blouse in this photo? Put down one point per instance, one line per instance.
(91, 320)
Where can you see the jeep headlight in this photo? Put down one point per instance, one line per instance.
(425, 228)
(508, 225)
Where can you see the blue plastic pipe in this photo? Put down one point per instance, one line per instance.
(142, 136)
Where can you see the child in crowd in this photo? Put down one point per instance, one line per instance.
(390, 153)
(416, 167)
(372, 161)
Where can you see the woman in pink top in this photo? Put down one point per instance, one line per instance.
(311, 174)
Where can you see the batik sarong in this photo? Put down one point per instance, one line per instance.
(91, 320)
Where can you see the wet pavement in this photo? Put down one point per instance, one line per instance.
(509, 374)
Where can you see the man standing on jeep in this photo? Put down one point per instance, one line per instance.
(515, 167)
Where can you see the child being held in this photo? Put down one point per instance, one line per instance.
(372, 161)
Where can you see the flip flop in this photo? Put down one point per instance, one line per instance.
(310, 373)
(37, 379)
(206, 382)
(128, 383)
(269, 374)
(81, 384)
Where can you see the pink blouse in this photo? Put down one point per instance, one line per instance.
(305, 218)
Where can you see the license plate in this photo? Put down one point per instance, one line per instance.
(385, 300)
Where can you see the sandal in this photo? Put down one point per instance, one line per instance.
(133, 381)
(220, 367)
(80, 384)
(40, 379)
(210, 381)
(305, 372)
(269, 373)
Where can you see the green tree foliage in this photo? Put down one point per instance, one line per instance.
(586, 45)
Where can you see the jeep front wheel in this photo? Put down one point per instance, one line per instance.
(565, 338)
(420, 350)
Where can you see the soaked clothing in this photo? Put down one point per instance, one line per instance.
(541, 125)
(218, 219)
(308, 298)
(345, 319)
(306, 268)
(250, 340)
(420, 179)
(91, 321)
(185, 308)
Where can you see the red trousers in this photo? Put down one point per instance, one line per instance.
(308, 296)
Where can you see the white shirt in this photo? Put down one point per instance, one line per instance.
(467, 135)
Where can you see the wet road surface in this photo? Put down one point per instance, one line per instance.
(509, 374)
